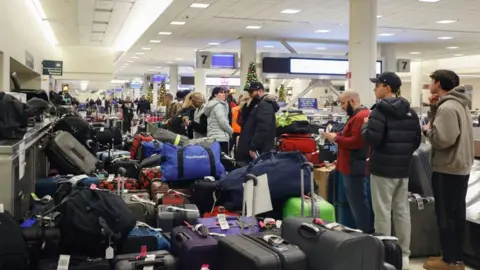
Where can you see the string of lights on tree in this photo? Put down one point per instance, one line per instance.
(281, 94)
(251, 75)
(150, 93)
(161, 94)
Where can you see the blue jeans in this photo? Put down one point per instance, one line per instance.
(358, 202)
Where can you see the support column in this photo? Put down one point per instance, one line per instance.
(390, 58)
(363, 47)
(173, 78)
(201, 81)
(248, 54)
(416, 84)
(5, 72)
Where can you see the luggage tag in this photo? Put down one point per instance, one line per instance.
(102, 129)
(74, 180)
(149, 258)
(110, 178)
(109, 252)
(222, 221)
(63, 262)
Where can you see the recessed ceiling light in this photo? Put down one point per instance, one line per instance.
(253, 27)
(290, 11)
(170, 62)
(178, 59)
(446, 21)
(152, 69)
(269, 46)
(386, 34)
(452, 47)
(199, 5)
(445, 38)
(158, 67)
(165, 33)
(177, 23)
(131, 61)
(135, 57)
(155, 41)
(322, 31)
(458, 54)
(429, 1)
(146, 49)
(415, 53)
(214, 43)
(379, 16)
(321, 48)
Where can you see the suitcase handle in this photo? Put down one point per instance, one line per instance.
(142, 264)
(310, 231)
(304, 166)
(182, 237)
(250, 177)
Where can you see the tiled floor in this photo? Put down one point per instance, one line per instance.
(417, 264)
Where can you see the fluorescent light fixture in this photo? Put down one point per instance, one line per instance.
(140, 53)
(158, 67)
(321, 48)
(135, 57)
(40, 10)
(165, 33)
(386, 34)
(379, 16)
(290, 11)
(429, 1)
(458, 54)
(146, 49)
(214, 43)
(152, 69)
(177, 23)
(445, 38)
(269, 46)
(178, 59)
(322, 31)
(253, 27)
(118, 81)
(42, 20)
(170, 62)
(155, 41)
(452, 47)
(446, 21)
(131, 61)
(199, 5)
(415, 53)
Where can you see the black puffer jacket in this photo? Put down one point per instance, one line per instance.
(393, 133)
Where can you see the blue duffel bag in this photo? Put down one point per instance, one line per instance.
(283, 171)
(148, 149)
(191, 162)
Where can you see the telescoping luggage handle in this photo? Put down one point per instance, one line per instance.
(249, 177)
(304, 166)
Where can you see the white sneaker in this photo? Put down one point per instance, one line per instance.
(406, 262)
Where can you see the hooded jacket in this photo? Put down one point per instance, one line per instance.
(393, 133)
(258, 127)
(218, 126)
(451, 133)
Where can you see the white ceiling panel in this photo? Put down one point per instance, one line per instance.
(101, 16)
(99, 27)
(63, 20)
(119, 15)
(97, 36)
(104, 4)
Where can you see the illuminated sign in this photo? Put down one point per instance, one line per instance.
(323, 66)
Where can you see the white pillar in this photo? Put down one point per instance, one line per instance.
(416, 84)
(201, 81)
(173, 78)
(5, 72)
(248, 54)
(390, 58)
(363, 47)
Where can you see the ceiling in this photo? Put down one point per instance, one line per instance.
(412, 23)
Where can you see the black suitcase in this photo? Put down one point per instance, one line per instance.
(109, 135)
(76, 263)
(163, 260)
(204, 193)
(332, 249)
(421, 172)
(259, 252)
(388, 266)
(393, 251)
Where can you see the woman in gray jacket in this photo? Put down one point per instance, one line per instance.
(218, 126)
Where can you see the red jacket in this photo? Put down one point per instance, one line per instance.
(352, 150)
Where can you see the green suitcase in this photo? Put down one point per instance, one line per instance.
(296, 207)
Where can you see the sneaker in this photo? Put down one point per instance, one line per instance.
(405, 263)
(441, 265)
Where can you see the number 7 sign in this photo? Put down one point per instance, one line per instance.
(403, 65)
(204, 60)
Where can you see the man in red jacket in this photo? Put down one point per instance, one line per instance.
(352, 159)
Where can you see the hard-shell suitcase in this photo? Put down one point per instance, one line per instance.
(176, 196)
(304, 143)
(158, 259)
(110, 155)
(150, 175)
(170, 216)
(194, 249)
(205, 195)
(393, 251)
(69, 156)
(75, 263)
(259, 252)
(333, 249)
(421, 172)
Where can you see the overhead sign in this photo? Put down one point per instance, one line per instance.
(204, 59)
(323, 66)
(308, 103)
(403, 65)
(53, 68)
(217, 60)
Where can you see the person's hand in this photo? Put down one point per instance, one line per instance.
(365, 120)
(252, 154)
(433, 99)
(330, 136)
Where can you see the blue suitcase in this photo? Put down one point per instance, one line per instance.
(49, 186)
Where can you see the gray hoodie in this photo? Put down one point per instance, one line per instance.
(451, 133)
(218, 126)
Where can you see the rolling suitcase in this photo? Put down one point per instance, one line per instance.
(421, 172)
(393, 251)
(170, 216)
(157, 259)
(193, 248)
(69, 156)
(75, 263)
(144, 235)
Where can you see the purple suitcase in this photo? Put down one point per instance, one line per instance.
(235, 224)
(193, 249)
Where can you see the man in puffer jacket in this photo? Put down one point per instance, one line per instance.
(393, 133)
(218, 126)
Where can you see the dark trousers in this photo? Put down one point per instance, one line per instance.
(450, 206)
(358, 201)
(225, 148)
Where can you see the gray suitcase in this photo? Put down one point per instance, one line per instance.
(170, 216)
(331, 249)
(163, 260)
(421, 171)
(425, 239)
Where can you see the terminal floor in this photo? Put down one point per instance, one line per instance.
(417, 264)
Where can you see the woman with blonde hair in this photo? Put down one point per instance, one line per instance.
(196, 122)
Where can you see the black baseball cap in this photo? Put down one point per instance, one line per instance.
(388, 78)
(254, 86)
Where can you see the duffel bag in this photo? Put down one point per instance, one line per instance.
(109, 135)
(191, 162)
(283, 171)
(148, 149)
(77, 126)
(165, 136)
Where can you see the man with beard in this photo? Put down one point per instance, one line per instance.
(351, 160)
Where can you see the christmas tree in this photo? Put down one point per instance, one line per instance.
(161, 94)
(150, 93)
(251, 76)
(281, 94)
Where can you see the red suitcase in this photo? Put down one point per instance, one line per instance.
(304, 143)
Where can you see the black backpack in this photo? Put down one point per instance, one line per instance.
(77, 126)
(13, 117)
(91, 221)
(13, 248)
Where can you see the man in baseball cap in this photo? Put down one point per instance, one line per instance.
(389, 82)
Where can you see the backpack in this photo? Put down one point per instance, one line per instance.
(137, 140)
(13, 117)
(90, 220)
(75, 125)
(13, 248)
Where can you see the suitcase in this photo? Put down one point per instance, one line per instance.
(158, 259)
(297, 207)
(75, 263)
(304, 143)
(110, 155)
(393, 251)
(42, 243)
(150, 175)
(332, 249)
(170, 216)
(49, 186)
(421, 172)
(193, 249)
(132, 166)
(205, 195)
(128, 184)
(388, 266)
(152, 161)
(176, 196)
(259, 252)
(69, 156)
(219, 210)
(144, 235)
(137, 141)
(109, 135)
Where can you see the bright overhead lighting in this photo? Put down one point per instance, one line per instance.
(140, 53)
(452, 47)
(165, 33)
(131, 61)
(199, 5)
(158, 67)
(177, 23)
(386, 34)
(146, 49)
(155, 41)
(446, 21)
(379, 16)
(290, 11)
(170, 62)
(321, 48)
(253, 27)
(269, 46)
(135, 57)
(152, 69)
(214, 43)
(429, 1)
(322, 31)
(415, 53)
(178, 59)
(445, 38)
(458, 54)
